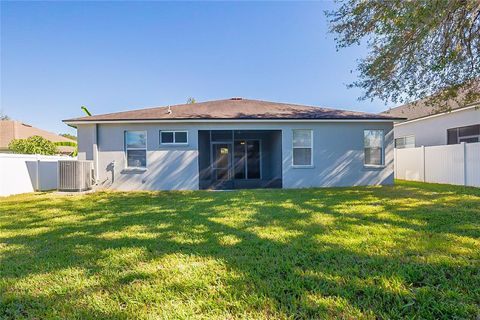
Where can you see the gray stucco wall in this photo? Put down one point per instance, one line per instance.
(337, 161)
(433, 131)
(86, 138)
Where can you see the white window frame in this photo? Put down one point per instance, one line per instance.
(382, 152)
(127, 148)
(404, 139)
(457, 131)
(311, 147)
(468, 137)
(172, 143)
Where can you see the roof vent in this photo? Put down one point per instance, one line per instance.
(236, 98)
(169, 110)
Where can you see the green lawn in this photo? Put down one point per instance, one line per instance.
(412, 250)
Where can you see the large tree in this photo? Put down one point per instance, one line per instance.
(416, 48)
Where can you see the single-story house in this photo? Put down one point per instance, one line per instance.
(12, 129)
(427, 125)
(237, 143)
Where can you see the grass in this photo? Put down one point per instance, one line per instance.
(409, 251)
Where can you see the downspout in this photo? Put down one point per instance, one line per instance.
(95, 152)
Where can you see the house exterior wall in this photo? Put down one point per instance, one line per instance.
(337, 146)
(433, 131)
(85, 141)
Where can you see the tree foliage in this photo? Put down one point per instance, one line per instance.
(66, 143)
(69, 136)
(191, 100)
(74, 153)
(416, 48)
(33, 145)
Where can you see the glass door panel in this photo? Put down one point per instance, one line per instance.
(253, 159)
(247, 159)
(240, 159)
(221, 161)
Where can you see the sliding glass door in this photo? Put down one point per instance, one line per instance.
(247, 159)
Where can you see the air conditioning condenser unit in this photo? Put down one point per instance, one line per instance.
(75, 175)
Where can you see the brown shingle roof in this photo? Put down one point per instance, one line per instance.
(420, 108)
(11, 129)
(235, 108)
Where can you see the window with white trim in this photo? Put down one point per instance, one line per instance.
(374, 151)
(466, 134)
(302, 147)
(136, 149)
(405, 142)
(173, 137)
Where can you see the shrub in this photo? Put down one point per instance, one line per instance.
(33, 145)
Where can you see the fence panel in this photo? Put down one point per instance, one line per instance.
(411, 165)
(452, 164)
(21, 173)
(473, 164)
(445, 164)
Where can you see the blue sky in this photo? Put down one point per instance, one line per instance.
(114, 56)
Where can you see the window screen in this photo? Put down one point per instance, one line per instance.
(465, 134)
(136, 149)
(405, 142)
(302, 147)
(373, 147)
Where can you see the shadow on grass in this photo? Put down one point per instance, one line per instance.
(389, 252)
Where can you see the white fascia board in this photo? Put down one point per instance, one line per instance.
(227, 121)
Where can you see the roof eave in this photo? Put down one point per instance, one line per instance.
(73, 122)
(471, 106)
(467, 106)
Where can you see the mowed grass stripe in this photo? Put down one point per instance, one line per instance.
(410, 250)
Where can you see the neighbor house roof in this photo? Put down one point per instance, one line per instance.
(235, 108)
(420, 108)
(11, 129)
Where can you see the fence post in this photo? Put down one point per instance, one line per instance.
(395, 175)
(464, 163)
(37, 174)
(424, 179)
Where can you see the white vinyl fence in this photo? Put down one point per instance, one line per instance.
(452, 164)
(21, 173)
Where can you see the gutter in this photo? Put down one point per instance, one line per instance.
(74, 123)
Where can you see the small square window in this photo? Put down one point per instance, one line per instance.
(405, 142)
(167, 137)
(173, 137)
(181, 137)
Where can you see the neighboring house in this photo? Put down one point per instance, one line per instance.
(428, 126)
(237, 143)
(11, 129)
